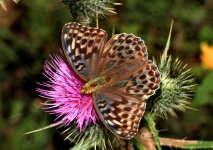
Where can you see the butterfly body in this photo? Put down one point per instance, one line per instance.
(118, 73)
(93, 85)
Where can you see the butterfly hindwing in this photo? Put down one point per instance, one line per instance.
(121, 113)
(82, 46)
(121, 104)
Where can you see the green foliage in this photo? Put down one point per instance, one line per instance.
(23, 47)
(193, 24)
(204, 93)
(13, 127)
(205, 32)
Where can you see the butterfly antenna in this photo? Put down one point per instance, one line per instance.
(113, 29)
(169, 38)
(97, 25)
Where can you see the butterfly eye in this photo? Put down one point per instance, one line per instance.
(70, 35)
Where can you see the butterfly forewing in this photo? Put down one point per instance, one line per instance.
(119, 49)
(82, 46)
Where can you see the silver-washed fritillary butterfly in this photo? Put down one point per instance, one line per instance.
(118, 73)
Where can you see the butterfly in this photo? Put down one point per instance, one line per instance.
(117, 73)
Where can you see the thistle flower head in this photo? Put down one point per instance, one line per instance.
(64, 97)
(92, 137)
(177, 86)
(83, 11)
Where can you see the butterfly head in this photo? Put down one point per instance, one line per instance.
(93, 85)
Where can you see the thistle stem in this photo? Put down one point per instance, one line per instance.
(96, 18)
(185, 144)
(137, 144)
(151, 124)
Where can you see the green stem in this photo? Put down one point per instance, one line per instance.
(186, 144)
(151, 125)
(137, 144)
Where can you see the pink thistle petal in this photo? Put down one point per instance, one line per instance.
(64, 97)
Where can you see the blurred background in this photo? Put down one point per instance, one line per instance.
(30, 31)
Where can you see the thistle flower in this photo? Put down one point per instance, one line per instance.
(63, 93)
(93, 137)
